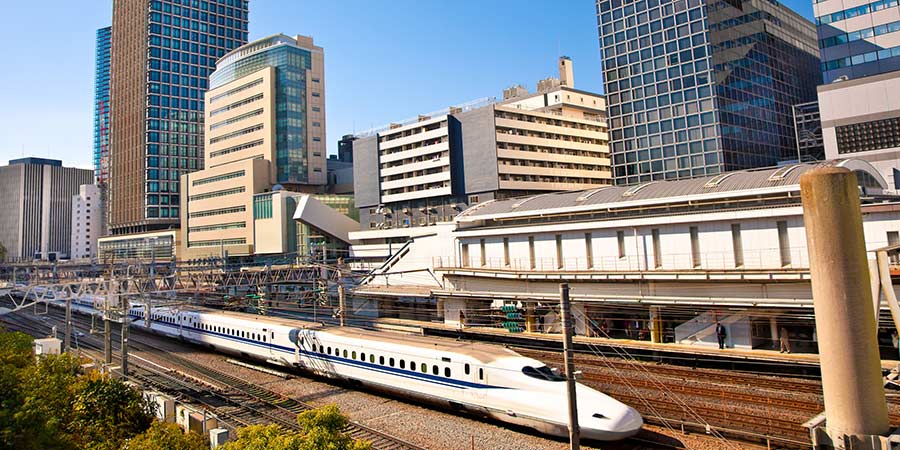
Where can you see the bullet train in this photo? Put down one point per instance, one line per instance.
(483, 379)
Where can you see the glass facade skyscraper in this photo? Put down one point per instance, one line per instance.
(101, 105)
(700, 87)
(163, 52)
(292, 63)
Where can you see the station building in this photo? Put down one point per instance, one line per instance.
(658, 260)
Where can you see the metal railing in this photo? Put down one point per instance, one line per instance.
(793, 259)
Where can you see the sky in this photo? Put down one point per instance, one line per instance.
(385, 60)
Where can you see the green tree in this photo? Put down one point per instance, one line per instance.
(166, 436)
(105, 412)
(2, 252)
(268, 437)
(45, 404)
(322, 430)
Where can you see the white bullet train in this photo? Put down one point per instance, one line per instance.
(483, 379)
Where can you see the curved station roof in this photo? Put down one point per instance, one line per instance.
(759, 184)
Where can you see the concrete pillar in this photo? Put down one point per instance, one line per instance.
(655, 325)
(773, 325)
(530, 320)
(845, 321)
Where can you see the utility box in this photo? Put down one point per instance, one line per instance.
(217, 437)
(165, 406)
(195, 420)
(47, 346)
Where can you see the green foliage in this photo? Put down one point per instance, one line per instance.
(166, 436)
(2, 252)
(107, 412)
(44, 404)
(322, 430)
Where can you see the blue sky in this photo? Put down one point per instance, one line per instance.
(384, 60)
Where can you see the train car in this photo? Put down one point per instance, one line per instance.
(483, 379)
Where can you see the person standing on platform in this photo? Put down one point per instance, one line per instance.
(721, 334)
(462, 320)
(785, 340)
(895, 339)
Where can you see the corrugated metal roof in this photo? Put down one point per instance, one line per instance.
(786, 177)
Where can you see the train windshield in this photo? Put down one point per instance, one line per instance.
(542, 373)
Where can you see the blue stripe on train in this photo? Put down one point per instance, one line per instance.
(345, 361)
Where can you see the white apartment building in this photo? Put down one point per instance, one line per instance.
(88, 222)
(432, 167)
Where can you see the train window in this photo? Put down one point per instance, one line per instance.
(412, 366)
(467, 368)
(435, 370)
(542, 373)
(264, 338)
(314, 347)
(402, 364)
(480, 373)
(345, 353)
(381, 360)
(447, 372)
(362, 356)
(424, 368)
(329, 350)
(372, 359)
(391, 362)
(354, 355)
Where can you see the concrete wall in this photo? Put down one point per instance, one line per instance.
(478, 151)
(365, 173)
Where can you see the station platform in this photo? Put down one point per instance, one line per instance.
(755, 360)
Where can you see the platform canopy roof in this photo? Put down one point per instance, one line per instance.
(728, 185)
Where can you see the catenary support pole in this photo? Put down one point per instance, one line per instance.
(107, 340)
(342, 307)
(125, 324)
(68, 336)
(566, 313)
(852, 385)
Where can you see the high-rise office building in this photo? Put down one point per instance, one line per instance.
(859, 102)
(37, 207)
(265, 126)
(162, 54)
(101, 104)
(857, 39)
(700, 87)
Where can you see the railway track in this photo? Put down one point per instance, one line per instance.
(234, 400)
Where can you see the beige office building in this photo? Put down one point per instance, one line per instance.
(265, 126)
(432, 167)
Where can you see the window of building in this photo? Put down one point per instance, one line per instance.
(784, 244)
(867, 136)
(657, 251)
(465, 255)
(620, 238)
(695, 247)
(506, 252)
(559, 252)
(531, 261)
(481, 248)
(737, 246)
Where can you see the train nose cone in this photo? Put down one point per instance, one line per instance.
(631, 422)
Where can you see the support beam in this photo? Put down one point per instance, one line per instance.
(855, 406)
(567, 326)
